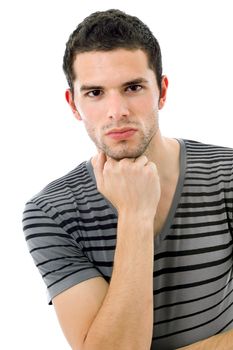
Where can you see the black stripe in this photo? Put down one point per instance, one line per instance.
(223, 328)
(215, 248)
(51, 246)
(99, 249)
(190, 285)
(41, 224)
(68, 275)
(45, 234)
(102, 263)
(197, 235)
(60, 268)
(201, 204)
(84, 211)
(92, 228)
(208, 171)
(200, 213)
(93, 219)
(205, 194)
(199, 184)
(205, 162)
(59, 258)
(195, 313)
(96, 238)
(213, 156)
(192, 267)
(193, 300)
(192, 328)
(201, 224)
(35, 217)
(207, 178)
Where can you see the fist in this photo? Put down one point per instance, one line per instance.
(131, 185)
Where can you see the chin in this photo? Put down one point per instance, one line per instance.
(121, 154)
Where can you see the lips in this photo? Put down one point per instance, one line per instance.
(117, 131)
(121, 134)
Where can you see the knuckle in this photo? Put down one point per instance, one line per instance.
(151, 168)
(144, 157)
(142, 160)
(108, 165)
(152, 165)
(124, 161)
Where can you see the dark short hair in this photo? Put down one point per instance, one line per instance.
(109, 30)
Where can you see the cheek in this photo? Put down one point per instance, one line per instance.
(92, 114)
(145, 105)
(87, 109)
(92, 125)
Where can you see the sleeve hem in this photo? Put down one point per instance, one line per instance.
(78, 277)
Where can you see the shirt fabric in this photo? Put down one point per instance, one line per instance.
(70, 229)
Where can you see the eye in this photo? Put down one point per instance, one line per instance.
(134, 88)
(94, 93)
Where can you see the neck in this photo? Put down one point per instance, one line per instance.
(164, 152)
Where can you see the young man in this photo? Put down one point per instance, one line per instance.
(134, 245)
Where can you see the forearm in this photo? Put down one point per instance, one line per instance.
(125, 319)
(223, 341)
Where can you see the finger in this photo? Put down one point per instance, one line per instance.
(142, 160)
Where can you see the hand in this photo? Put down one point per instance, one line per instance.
(131, 185)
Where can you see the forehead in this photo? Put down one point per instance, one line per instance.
(104, 67)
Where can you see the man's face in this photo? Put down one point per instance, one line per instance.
(117, 97)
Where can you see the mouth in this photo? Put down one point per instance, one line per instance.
(120, 134)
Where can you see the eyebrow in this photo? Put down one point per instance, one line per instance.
(127, 83)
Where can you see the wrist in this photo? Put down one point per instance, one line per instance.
(136, 217)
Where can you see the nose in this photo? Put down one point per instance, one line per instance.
(117, 106)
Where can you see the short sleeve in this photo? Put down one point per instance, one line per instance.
(230, 202)
(56, 254)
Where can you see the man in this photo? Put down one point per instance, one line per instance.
(134, 245)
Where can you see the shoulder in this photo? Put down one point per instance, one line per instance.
(61, 202)
(211, 164)
(199, 152)
(65, 188)
(197, 146)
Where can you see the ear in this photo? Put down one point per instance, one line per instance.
(163, 94)
(70, 101)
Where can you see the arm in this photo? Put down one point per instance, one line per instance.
(120, 316)
(95, 315)
(222, 341)
(125, 319)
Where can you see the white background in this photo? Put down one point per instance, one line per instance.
(41, 140)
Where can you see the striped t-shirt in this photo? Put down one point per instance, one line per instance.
(70, 229)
